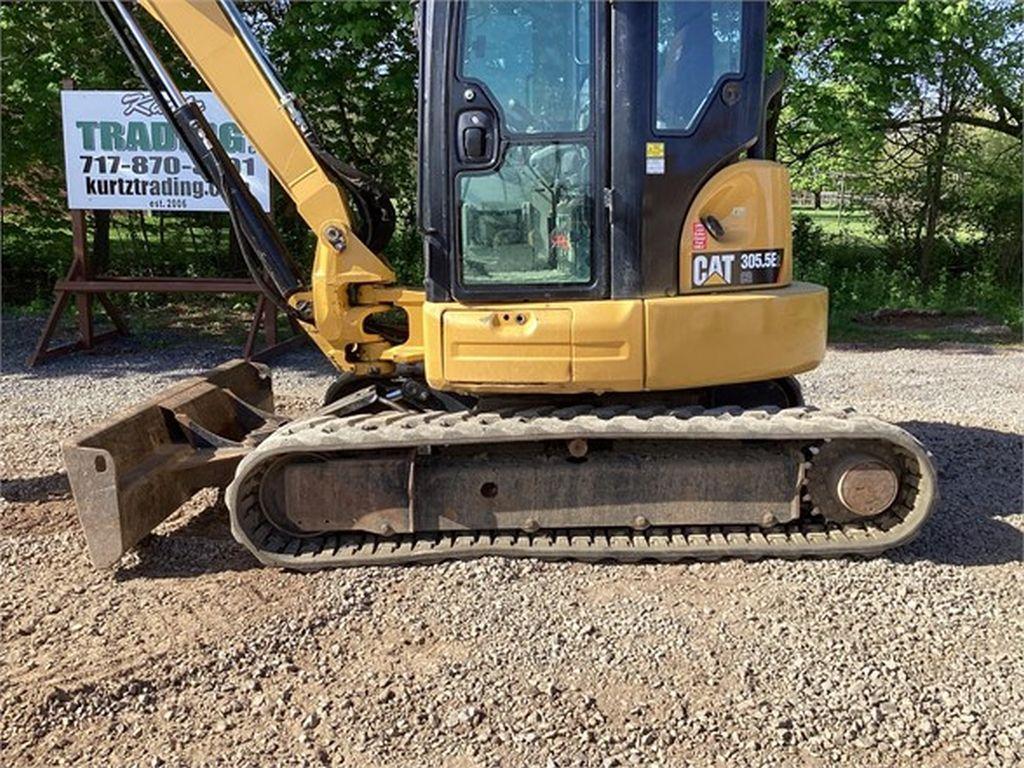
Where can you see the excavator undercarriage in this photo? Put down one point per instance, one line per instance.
(373, 479)
(615, 483)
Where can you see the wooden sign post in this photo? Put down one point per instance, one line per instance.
(82, 284)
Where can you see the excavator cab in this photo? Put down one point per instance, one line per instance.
(609, 262)
(562, 144)
(594, 172)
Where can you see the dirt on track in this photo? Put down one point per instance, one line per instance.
(191, 654)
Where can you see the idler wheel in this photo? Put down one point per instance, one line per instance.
(867, 487)
(853, 480)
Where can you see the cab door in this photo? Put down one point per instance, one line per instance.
(687, 99)
(527, 162)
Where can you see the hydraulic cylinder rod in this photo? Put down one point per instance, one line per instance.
(265, 254)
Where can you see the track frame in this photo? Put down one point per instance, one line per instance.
(809, 535)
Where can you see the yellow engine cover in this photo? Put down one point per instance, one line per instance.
(551, 347)
(677, 342)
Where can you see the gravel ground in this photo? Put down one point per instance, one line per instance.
(190, 654)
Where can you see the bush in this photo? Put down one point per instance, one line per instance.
(860, 281)
(809, 237)
(193, 245)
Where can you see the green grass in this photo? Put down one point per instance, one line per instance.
(854, 333)
(845, 224)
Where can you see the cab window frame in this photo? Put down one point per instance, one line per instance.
(714, 91)
(593, 138)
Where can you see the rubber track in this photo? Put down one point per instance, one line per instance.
(805, 537)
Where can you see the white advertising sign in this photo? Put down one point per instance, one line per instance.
(121, 153)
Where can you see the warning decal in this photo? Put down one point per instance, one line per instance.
(700, 236)
(744, 268)
(655, 158)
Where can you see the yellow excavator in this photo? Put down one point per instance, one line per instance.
(600, 363)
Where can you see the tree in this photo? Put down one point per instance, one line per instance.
(892, 93)
(43, 44)
(352, 64)
(353, 67)
(852, 68)
(891, 86)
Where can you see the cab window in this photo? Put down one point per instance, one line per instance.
(535, 58)
(529, 222)
(698, 43)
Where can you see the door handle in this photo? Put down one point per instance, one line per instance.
(474, 144)
(477, 138)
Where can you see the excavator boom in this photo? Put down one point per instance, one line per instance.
(215, 38)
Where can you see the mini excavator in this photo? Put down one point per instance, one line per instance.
(600, 363)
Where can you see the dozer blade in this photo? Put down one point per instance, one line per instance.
(131, 473)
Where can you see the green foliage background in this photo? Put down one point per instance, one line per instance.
(911, 110)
